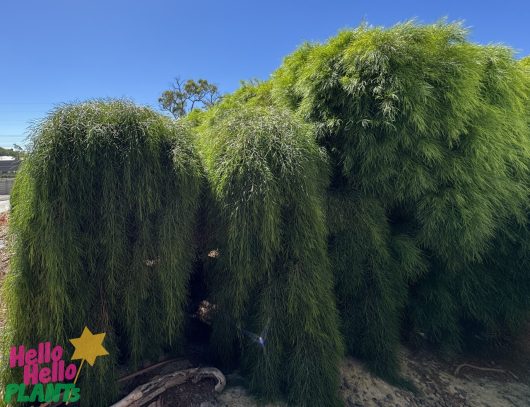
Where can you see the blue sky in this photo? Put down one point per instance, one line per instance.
(56, 51)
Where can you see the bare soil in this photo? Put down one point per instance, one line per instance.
(435, 379)
(4, 259)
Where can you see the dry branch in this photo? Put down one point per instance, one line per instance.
(484, 369)
(148, 392)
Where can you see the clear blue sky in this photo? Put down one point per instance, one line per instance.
(56, 51)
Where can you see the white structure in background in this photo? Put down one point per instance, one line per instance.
(8, 169)
(4, 203)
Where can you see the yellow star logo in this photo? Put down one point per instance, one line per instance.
(89, 346)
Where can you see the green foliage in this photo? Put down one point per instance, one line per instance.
(493, 296)
(102, 218)
(429, 147)
(525, 64)
(267, 178)
(378, 184)
(372, 268)
(187, 96)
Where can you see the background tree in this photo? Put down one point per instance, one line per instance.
(189, 95)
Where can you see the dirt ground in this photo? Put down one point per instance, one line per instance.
(4, 259)
(435, 379)
(460, 382)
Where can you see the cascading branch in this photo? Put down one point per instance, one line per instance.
(272, 277)
(103, 214)
(492, 296)
(429, 145)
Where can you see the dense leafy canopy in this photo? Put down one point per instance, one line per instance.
(428, 138)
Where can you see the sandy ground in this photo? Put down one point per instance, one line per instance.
(4, 258)
(461, 382)
(4, 203)
(436, 381)
(438, 385)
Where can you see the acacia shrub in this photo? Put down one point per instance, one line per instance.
(102, 222)
(267, 178)
(428, 142)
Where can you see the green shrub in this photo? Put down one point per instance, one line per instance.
(429, 147)
(382, 177)
(267, 178)
(102, 218)
(372, 268)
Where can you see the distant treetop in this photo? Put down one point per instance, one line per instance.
(189, 95)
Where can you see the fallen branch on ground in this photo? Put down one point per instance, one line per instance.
(146, 393)
(484, 369)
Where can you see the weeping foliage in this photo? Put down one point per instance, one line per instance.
(102, 217)
(267, 178)
(429, 145)
(506, 268)
(372, 268)
(377, 185)
(486, 301)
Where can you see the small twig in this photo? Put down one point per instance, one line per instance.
(122, 379)
(484, 369)
(146, 393)
(145, 370)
